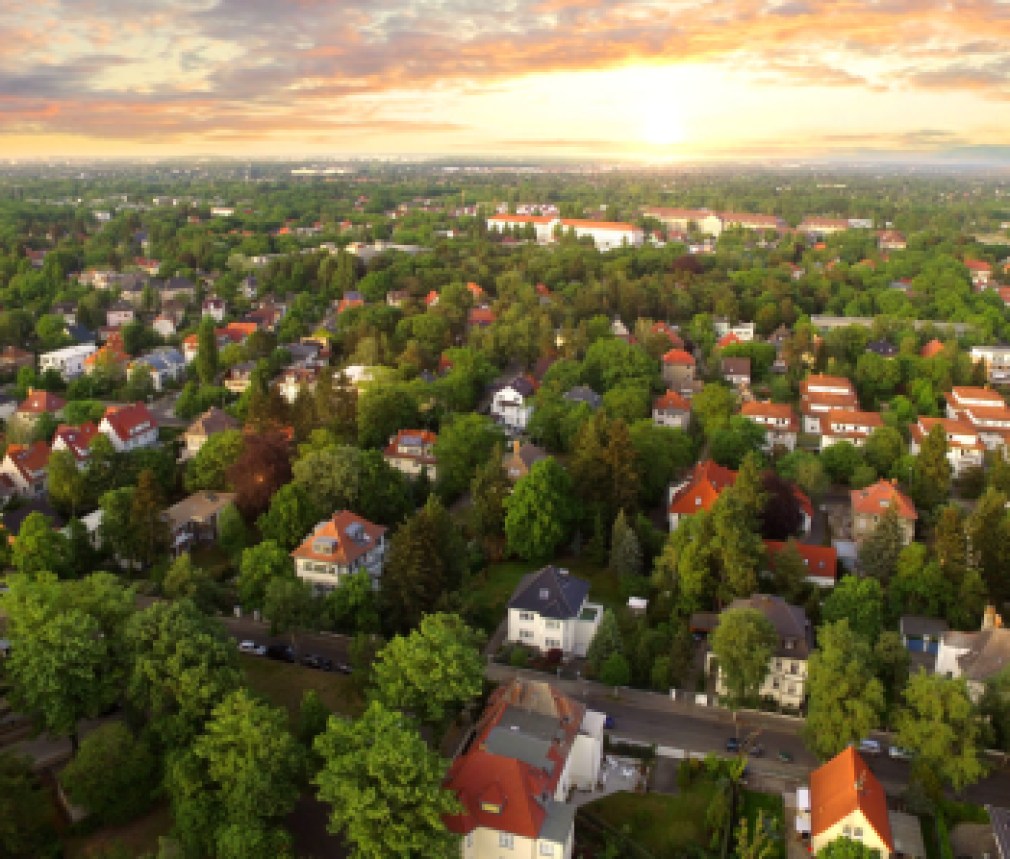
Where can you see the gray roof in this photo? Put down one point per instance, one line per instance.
(584, 394)
(988, 652)
(558, 823)
(790, 622)
(550, 593)
(1000, 820)
(917, 626)
(736, 366)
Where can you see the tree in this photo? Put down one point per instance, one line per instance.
(840, 460)
(489, 489)
(781, 514)
(206, 361)
(661, 452)
(713, 406)
(464, 442)
(354, 606)
(754, 843)
(261, 469)
(66, 482)
(149, 528)
(431, 672)
(289, 606)
(686, 566)
(879, 552)
(185, 581)
(995, 708)
(860, 601)
(806, 471)
(890, 664)
(382, 410)
(846, 848)
(260, 565)
(941, 727)
(103, 472)
(625, 550)
(883, 449)
(232, 534)
(615, 671)
(743, 642)
(988, 530)
(932, 472)
(294, 510)
(730, 444)
(384, 787)
(38, 548)
(209, 468)
(117, 535)
(789, 572)
(27, 827)
(845, 700)
(606, 642)
(183, 665)
(539, 512)
(113, 775)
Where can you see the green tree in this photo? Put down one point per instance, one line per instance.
(840, 461)
(625, 550)
(150, 530)
(860, 601)
(931, 475)
(183, 580)
(38, 548)
(754, 843)
(260, 565)
(686, 566)
(988, 529)
(354, 606)
(615, 671)
(789, 572)
(713, 406)
(846, 848)
(733, 442)
(27, 824)
(382, 410)
(890, 664)
(489, 489)
(294, 510)
(806, 471)
(539, 512)
(384, 787)
(209, 468)
(879, 552)
(606, 642)
(115, 532)
(661, 453)
(883, 449)
(432, 672)
(232, 534)
(942, 728)
(464, 442)
(206, 361)
(845, 699)
(66, 482)
(113, 776)
(289, 606)
(743, 642)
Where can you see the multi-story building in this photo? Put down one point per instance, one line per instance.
(129, 427)
(549, 610)
(870, 503)
(820, 394)
(341, 546)
(848, 425)
(68, 362)
(77, 440)
(779, 421)
(678, 370)
(965, 449)
(511, 404)
(209, 423)
(847, 801)
(985, 410)
(26, 466)
(699, 492)
(412, 452)
(671, 410)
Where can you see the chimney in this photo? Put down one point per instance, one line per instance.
(989, 617)
(860, 782)
(515, 447)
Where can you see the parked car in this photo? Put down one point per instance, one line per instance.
(341, 668)
(784, 756)
(311, 660)
(608, 722)
(733, 745)
(899, 754)
(281, 651)
(756, 751)
(869, 747)
(252, 647)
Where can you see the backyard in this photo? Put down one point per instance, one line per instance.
(283, 684)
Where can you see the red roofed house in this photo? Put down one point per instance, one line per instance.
(820, 394)
(869, 504)
(779, 421)
(727, 339)
(699, 492)
(821, 561)
(965, 449)
(678, 369)
(76, 439)
(848, 425)
(26, 467)
(985, 410)
(412, 452)
(606, 235)
(129, 427)
(431, 299)
(39, 403)
(933, 348)
(671, 334)
(480, 317)
(891, 240)
(350, 300)
(475, 290)
(531, 748)
(847, 801)
(542, 225)
(980, 271)
(341, 546)
(671, 410)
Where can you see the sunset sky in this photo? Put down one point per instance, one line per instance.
(648, 79)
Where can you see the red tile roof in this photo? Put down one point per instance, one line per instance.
(875, 499)
(727, 339)
(129, 421)
(522, 219)
(342, 539)
(679, 357)
(579, 223)
(672, 401)
(40, 402)
(703, 489)
(771, 411)
(670, 333)
(480, 316)
(843, 785)
(475, 290)
(30, 460)
(821, 561)
(977, 265)
(76, 439)
(933, 348)
(819, 380)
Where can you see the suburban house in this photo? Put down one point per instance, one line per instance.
(13, 359)
(847, 800)
(76, 439)
(583, 394)
(779, 421)
(209, 423)
(129, 427)
(413, 452)
(530, 750)
(985, 410)
(891, 240)
(194, 520)
(542, 226)
(678, 369)
(699, 492)
(682, 220)
(26, 467)
(549, 610)
(350, 300)
(848, 425)
(736, 371)
(671, 410)
(511, 404)
(819, 227)
(166, 365)
(164, 325)
(36, 404)
(339, 547)
(238, 378)
(821, 561)
(870, 503)
(110, 358)
(293, 380)
(480, 317)
(119, 314)
(975, 656)
(741, 332)
(68, 361)
(965, 449)
(214, 307)
(669, 332)
(606, 235)
(995, 359)
(980, 273)
(820, 395)
(786, 680)
(921, 637)
(518, 461)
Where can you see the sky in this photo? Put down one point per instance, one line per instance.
(652, 80)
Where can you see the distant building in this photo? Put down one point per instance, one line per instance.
(520, 458)
(699, 492)
(413, 453)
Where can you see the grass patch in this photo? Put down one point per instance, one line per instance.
(283, 684)
(751, 803)
(137, 838)
(665, 826)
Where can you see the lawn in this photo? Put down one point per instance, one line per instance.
(137, 838)
(752, 802)
(284, 684)
(665, 826)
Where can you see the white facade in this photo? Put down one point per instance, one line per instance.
(68, 362)
(144, 435)
(572, 636)
(511, 408)
(743, 331)
(672, 418)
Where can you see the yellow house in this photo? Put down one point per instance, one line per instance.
(846, 800)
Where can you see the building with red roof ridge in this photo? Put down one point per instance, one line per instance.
(848, 801)
(339, 547)
(699, 492)
(780, 423)
(671, 410)
(931, 349)
(77, 440)
(872, 502)
(129, 427)
(26, 466)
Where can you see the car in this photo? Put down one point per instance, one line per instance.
(733, 745)
(311, 660)
(247, 646)
(899, 754)
(784, 756)
(340, 668)
(281, 652)
(756, 751)
(608, 722)
(869, 747)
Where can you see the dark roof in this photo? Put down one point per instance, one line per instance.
(882, 347)
(584, 394)
(1000, 820)
(550, 592)
(917, 626)
(790, 622)
(80, 334)
(736, 366)
(13, 517)
(523, 385)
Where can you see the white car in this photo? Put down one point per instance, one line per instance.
(252, 647)
(899, 754)
(869, 747)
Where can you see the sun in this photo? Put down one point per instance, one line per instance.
(661, 126)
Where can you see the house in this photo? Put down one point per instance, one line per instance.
(780, 423)
(549, 610)
(996, 360)
(671, 410)
(412, 452)
(985, 410)
(736, 371)
(350, 299)
(821, 394)
(891, 240)
(975, 656)
(606, 235)
(339, 547)
(883, 348)
(980, 272)
(26, 467)
(68, 361)
(110, 358)
(431, 299)
(293, 380)
(129, 427)
(704, 221)
(848, 425)
(818, 227)
(175, 287)
(583, 394)
(164, 325)
(476, 291)
(521, 458)
(751, 221)
(678, 369)
(847, 800)
(931, 349)
(194, 520)
(13, 359)
(119, 314)
(965, 449)
(670, 333)
(699, 492)
(238, 378)
(921, 635)
(174, 310)
(166, 364)
(67, 310)
(36, 404)
(785, 682)
(742, 332)
(821, 561)
(397, 297)
(480, 317)
(76, 439)
(541, 226)
(869, 504)
(8, 407)
(511, 404)
(209, 423)
(214, 307)
(530, 749)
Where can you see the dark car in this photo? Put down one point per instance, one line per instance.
(732, 745)
(340, 668)
(281, 652)
(609, 722)
(785, 757)
(311, 660)
(756, 750)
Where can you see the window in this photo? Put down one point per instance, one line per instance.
(525, 615)
(847, 831)
(525, 633)
(552, 642)
(857, 833)
(546, 849)
(552, 624)
(505, 839)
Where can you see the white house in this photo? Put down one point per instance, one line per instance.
(742, 331)
(542, 225)
(167, 365)
(27, 467)
(129, 427)
(339, 547)
(985, 410)
(779, 421)
(606, 235)
(68, 362)
(848, 425)
(671, 410)
(549, 610)
(215, 308)
(511, 404)
(821, 394)
(965, 449)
